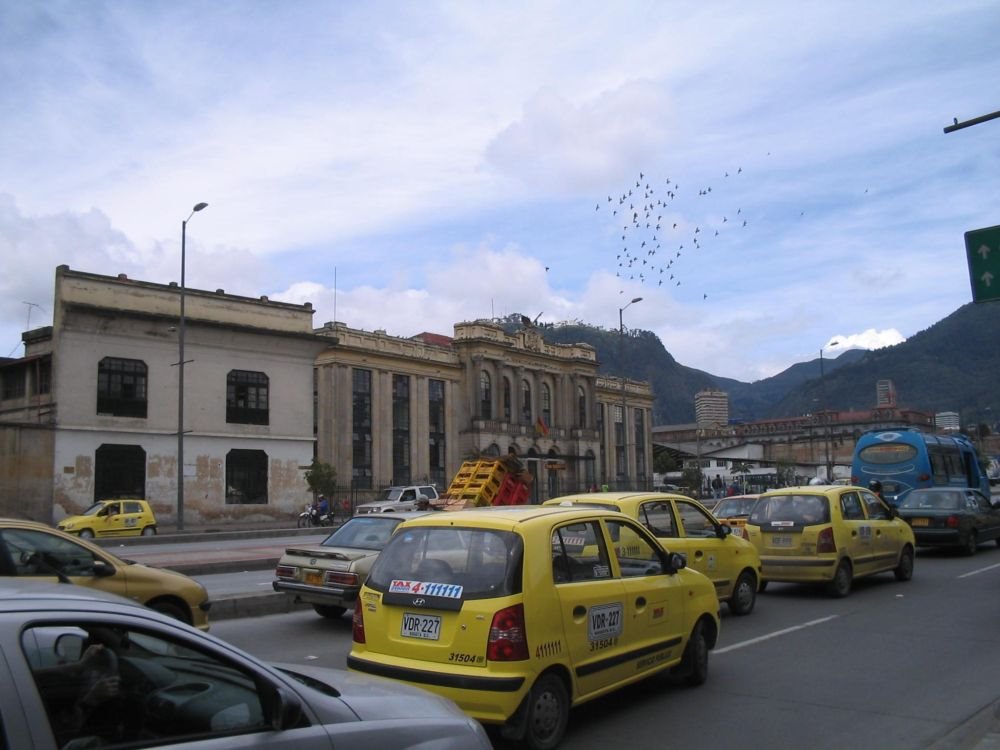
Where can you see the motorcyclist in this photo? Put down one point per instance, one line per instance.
(876, 487)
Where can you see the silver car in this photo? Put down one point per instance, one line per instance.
(329, 575)
(84, 669)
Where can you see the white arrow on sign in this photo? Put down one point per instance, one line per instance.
(984, 251)
(987, 278)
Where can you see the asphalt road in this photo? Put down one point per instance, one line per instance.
(894, 665)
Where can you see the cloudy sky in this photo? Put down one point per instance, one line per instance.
(409, 165)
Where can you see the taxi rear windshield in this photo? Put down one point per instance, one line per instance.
(484, 562)
(801, 510)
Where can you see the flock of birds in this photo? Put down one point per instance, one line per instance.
(654, 234)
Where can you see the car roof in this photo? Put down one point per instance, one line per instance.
(811, 489)
(617, 497)
(499, 516)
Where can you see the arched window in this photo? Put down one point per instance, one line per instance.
(581, 407)
(525, 402)
(485, 395)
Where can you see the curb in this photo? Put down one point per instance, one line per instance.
(981, 731)
(253, 605)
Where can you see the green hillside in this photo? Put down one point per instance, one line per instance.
(952, 366)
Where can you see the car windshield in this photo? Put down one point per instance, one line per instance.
(94, 509)
(796, 509)
(392, 494)
(734, 507)
(482, 563)
(364, 532)
(918, 500)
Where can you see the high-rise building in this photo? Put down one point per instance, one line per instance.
(947, 420)
(711, 408)
(885, 393)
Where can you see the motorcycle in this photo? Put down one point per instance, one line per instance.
(311, 516)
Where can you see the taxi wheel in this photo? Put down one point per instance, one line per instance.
(744, 594)
(548, 713)
(149, 531)
(86, 534)
(840, 586)
(329, 611)
(694, 663)
(904, 571)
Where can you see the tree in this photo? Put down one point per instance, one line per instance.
(321, 478)
(664, 461)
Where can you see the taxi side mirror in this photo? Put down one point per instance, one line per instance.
(675, 561)
(722, 531)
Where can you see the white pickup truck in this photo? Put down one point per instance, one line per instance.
(398, 499)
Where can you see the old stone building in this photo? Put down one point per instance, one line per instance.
(397, 411)
(91, 410)
(111, 406)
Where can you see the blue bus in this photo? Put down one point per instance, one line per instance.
(907, 458)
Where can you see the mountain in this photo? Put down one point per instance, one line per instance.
(952, 366)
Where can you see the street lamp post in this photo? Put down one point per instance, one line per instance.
(822, 388)
(621, 361)
(180, 375)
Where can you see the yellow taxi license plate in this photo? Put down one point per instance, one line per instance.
(781, 541)
(427, 627)
(313, 578)
(920, 522)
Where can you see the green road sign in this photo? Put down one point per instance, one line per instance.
(982, 246)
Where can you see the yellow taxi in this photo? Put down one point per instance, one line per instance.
(733, 511)
(108, 518)
(518, 613)
(829, 534)
(683, 525)
(34, 551)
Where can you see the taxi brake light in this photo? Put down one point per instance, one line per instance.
(358, 625)
(285, 571)
(952, 522)
(507, 641)
(825, 541)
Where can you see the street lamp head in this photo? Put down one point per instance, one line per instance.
(199, 206)
(637, 299)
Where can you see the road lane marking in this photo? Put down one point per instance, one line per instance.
(981, 570)
(775, 634)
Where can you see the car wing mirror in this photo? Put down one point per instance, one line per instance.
(723, 530)
(675, 561)
(102, 569)
(284, 710)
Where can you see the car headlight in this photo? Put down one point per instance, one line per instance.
(65, 526)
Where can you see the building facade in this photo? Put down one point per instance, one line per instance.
(91, 410)
(711, 409)
(112, 407)
(403, 410)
